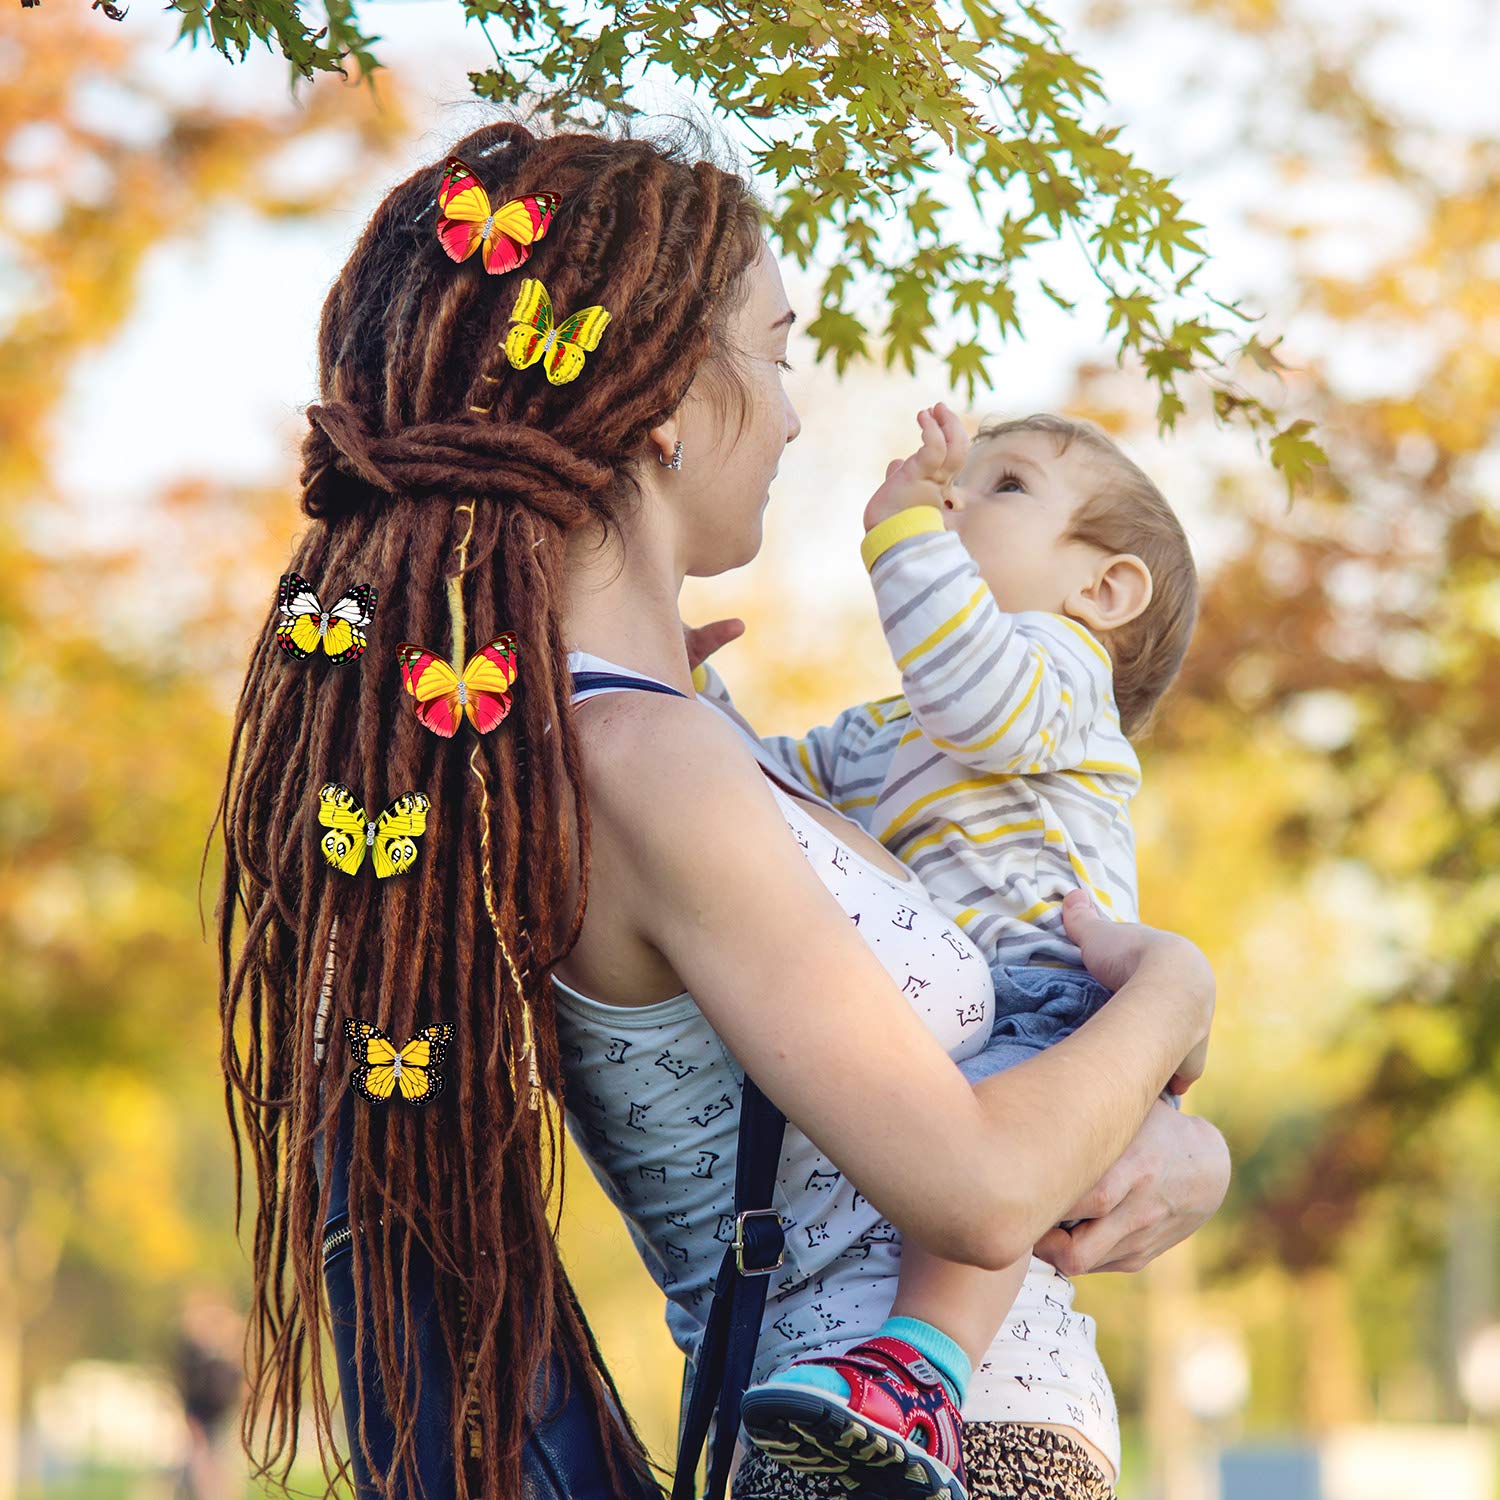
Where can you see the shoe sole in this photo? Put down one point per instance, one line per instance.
(814, 1433)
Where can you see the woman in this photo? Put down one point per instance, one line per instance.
(634, 839)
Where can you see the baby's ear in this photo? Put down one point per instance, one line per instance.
(1118, 593)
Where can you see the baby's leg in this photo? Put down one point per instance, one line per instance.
(966, 1303)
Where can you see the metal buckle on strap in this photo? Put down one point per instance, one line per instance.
(739, 1243)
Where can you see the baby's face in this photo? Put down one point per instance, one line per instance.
(1012, 503)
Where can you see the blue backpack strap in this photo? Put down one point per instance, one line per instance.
(726, 1353)
(727, 1350)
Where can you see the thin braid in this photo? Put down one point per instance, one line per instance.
(398, 473)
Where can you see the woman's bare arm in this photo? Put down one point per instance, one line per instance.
(723, 893)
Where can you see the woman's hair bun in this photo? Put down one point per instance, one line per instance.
(344, 459)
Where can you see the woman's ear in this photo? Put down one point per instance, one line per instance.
(663, 437)
(1118, 592)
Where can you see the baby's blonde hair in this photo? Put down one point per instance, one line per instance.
(1127, 513)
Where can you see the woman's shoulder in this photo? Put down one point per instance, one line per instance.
(649, 754)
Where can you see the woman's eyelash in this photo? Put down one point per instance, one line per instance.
(782, 364)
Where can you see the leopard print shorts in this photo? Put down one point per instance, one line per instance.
(1005, 1461)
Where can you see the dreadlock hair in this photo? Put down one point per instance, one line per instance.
(421, 416)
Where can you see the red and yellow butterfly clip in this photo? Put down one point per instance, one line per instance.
(560, 347)
(443, 698)
(305, 623)
(466, 220)
(382, 1069)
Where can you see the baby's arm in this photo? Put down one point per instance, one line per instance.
(811, 760)
(1000, 692)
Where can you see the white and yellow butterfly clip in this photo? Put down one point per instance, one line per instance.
(391, 838)
(382, 1069)
(305, 624)
(559, 346)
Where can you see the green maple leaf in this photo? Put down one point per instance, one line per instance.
(1295, 455)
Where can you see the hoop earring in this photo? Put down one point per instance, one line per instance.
(675, 462)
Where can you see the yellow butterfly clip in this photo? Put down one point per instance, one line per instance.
(392, 837)
(382, 1069)
(560, 347)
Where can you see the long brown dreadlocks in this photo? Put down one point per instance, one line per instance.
(425, 439)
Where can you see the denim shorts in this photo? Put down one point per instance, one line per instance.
(1034, 1007)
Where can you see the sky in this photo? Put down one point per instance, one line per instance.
(1172, 82)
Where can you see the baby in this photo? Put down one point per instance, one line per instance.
(1038, 595)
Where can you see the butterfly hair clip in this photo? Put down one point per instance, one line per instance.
(559, 346)
(466, 220)
(305, 624)
(391, 838)
(382, 1069)
(443, 698)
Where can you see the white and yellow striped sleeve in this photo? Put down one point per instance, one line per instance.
(1003, 693)
(816, 760)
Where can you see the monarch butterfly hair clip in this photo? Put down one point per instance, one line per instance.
(306, 625)
(466, 220)
(559, 346)
(381, 1070)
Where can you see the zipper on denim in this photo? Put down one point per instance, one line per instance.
(335, 1238)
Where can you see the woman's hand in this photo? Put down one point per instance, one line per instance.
(1113, 952)
(1171, 1179)
(1174, 1174)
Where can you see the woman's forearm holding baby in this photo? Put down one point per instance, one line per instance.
(1071, 1112)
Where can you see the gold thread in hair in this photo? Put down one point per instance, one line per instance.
(484, 410)
(456, 590)
(456, 616)
(528, 1040)
(489, 380)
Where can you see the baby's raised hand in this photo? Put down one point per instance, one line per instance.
(923, 477)
(703, 640)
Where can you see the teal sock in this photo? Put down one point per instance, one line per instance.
(951, 1363)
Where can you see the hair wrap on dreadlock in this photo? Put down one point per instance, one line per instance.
(479, 460)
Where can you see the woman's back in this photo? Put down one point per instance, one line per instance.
(652, 1096)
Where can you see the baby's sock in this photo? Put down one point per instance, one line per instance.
(951, 1362)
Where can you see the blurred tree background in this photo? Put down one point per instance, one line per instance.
(1321, 793)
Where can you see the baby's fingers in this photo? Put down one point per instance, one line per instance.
(954, 433)
(931, 459)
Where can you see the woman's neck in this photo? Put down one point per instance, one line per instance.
(621, 600)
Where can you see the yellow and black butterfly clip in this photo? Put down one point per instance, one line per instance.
(382, 1069)
(391, 838)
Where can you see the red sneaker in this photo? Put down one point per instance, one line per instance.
(896, 1435)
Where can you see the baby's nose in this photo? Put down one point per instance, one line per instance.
(954, 500)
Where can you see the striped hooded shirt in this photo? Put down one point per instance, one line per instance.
(1000, 775)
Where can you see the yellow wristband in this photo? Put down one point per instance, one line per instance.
(700, 677)
(912, 521)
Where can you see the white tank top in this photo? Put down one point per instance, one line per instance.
(652, 1102)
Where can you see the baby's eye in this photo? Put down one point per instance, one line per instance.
(1009, 483)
